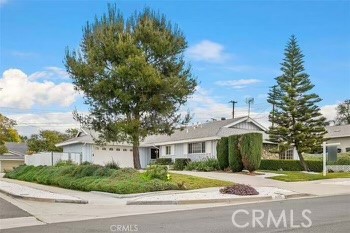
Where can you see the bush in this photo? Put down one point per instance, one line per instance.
(222, 153)
(239, 189)
(61, 163)
(250, 146)
(112, 165)
(164, 161)
(180, 164)
(234, 155)
(157, 172)
(289, 165)
(345, 160)
(205, 165)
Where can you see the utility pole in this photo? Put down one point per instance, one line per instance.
(233, 108)
(249, 101)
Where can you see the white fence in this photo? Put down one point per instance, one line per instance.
(51, 158)
(338, 168)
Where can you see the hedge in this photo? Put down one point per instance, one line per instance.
(289, 165)
(164, 161)
(222, 153)
(250, 146)
(234, 155)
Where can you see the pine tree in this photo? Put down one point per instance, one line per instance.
(133, 76)
(343, 113)
(297, 118)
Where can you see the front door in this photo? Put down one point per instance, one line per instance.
(154, 153)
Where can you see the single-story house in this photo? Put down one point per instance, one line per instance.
(195, 142)
(339, 134)
(14, 157)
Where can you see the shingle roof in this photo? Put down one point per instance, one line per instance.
(214, 129)
(338, 131)
(16, 148)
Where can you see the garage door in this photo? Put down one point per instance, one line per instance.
(119, 154)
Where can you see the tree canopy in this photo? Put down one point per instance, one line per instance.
(296, 119)
(343, 113)
(133, 76)
(7, 132)
(46, 140)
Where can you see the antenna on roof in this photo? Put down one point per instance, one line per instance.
(249, 101)
(233, 107)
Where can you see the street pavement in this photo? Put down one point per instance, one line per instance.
(324, 214)
(8, 210)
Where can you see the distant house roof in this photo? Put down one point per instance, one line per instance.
(207, 131)
(19, 149)
(337, 131)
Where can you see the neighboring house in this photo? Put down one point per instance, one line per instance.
(339, 134)
(14, 157)
(195, 142)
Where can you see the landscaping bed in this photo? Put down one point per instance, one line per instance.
(99, 178)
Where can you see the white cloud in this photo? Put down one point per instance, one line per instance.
(32, 123)
(207, 51)
(50, 72)
(204, 106)
(237, 84)
(19, 91)
(329, 111)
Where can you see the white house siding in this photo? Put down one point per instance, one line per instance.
(84, 149)
(179, 150)
(246, 125)
(145, 156)
(344, 143)
(123, 157)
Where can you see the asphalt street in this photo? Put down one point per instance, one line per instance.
(323, 214)
(8, 210)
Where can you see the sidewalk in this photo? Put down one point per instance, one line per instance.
(28, 193)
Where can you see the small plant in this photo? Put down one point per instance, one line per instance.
(112, 165)
(61, 163)
(180, 164)
(164, 161)
(157, 172)
(206, 165)
(239, 189)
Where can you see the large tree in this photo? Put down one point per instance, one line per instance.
(296, 118)
(133, 76)
(343, 113)
(46, 140)
(7, 132)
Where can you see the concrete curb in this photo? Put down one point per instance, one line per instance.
(165, 192)
(218, 200)
(29, 198)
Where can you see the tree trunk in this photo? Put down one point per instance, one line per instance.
(136, 155)
(302, 161)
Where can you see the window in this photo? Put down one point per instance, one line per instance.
(118, 149)
(103, 148)
(198, 147)
(347, 149)
(168, 150)
(130, 149)
(111, 148)
(125, 149)
(288, 154)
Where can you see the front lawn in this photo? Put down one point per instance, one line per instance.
(99, 178)
(291, 176)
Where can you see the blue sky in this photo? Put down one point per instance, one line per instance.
(235, 49)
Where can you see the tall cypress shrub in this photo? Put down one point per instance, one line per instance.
(234, 155)
(222, 153)
(250, 147)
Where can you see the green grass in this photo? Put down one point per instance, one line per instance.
(99, 178)
(289, 176)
